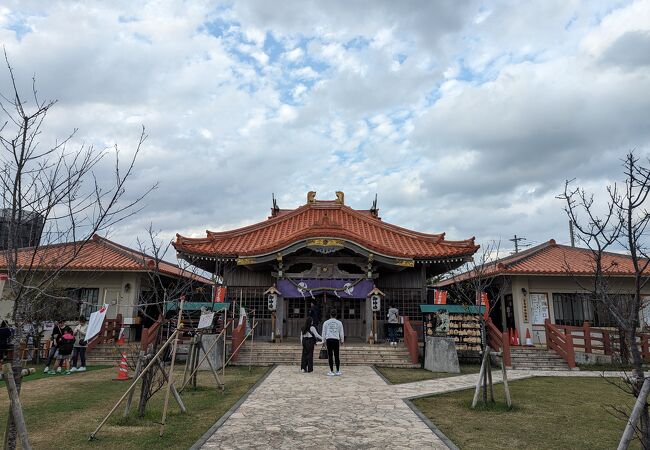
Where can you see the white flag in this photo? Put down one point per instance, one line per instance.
(95, 322)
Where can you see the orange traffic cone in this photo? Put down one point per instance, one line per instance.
(517, 343)
(122, 370)
(529, 340)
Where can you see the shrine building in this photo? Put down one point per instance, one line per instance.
(327, 253)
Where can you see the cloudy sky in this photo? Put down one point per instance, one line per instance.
(464, 117)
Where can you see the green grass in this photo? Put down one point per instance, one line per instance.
(64, 410)
(39, 373)
(397, 375)
(547, 413)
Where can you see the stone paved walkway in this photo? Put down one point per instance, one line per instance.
(290, 410)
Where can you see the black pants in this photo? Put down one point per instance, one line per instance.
(333, 354)
(79, 352)
(50, 356)
(307, 360)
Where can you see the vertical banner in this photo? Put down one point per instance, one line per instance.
(439, 297)
(3, 278)
(483, 300)
(95, 322)
(218, 293)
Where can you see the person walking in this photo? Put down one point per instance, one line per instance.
(80, 344)
(393, 321)
(314, 313)
(57, 332)
(308, 339)
(334, 338)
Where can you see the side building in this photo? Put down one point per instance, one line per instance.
(329, 254)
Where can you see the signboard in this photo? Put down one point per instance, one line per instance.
(206, 320)
(3, 278)
(310, 287)
(439, 297)
(539, 307)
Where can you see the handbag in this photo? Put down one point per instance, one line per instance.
(323, 353)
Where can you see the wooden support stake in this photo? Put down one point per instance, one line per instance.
(630, 428)
(170, 380)
(506, 388)
(250, 360)
(489, 372)
(175, 393)
(195, 359)
(138, 369)
(480, 380)
(94, 433)
(189, 361)
(214, 372)
(205, 356)
(16, 408)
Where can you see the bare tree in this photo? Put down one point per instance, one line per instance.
(471, 280)
(621, 221)
(59, 184)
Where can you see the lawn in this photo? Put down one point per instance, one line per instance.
(548, 413)
(39, 373)
(398, 375)
(64, 410)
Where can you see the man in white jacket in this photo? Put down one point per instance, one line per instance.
(333, 335)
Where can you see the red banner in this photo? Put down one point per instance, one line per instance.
(439, 297)
(483, 300)
(218, 294)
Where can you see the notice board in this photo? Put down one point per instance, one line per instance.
(539, 307)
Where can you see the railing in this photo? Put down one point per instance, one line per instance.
(149, 335)
(603, 341)
(411, 341)
(109, 332)
(560, 341)
(498, 340)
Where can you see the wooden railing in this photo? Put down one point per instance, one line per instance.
(603, 341)
(560, 341)
(149, 335)
(411, 341)
(108, 333)
(498, 340)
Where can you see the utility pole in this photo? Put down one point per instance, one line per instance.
(516, 241)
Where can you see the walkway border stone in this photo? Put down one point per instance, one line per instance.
(443, 437)
(204, 438)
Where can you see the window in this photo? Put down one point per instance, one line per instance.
(407, 301)
(251, 298)
(86, 298)
(574, 309)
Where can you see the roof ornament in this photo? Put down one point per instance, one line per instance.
(340, 197)
(311, 196)
(275, 209)
(374, 211)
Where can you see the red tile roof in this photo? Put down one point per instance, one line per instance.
(98, 254)
(551, 258)
(324, 219)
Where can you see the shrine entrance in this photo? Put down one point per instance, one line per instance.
(350, 311)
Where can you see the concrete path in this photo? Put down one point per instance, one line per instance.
(358, 410)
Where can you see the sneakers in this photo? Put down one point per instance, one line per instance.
(74, 369)
(46, 370)
(67, 372)
(338, 373)
(330, 374)
(58, 370)
(302, 370)
(51, 372)
(81, 369)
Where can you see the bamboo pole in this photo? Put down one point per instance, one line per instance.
(241, 343)
(214, 372)
(250, 359)
(171, 367)
(225, 336)
(94, 433)
(489, 376)
(16, 408)
(138, 369)
(175, 393)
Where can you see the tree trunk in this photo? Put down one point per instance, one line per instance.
(145, 393)
(11, 432)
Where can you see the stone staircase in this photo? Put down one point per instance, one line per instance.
(105, 355)
(267, 353)
(531, 358)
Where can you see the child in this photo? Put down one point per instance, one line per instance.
(65, 349)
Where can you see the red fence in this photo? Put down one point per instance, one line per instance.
(238, 335)
(149, 334)
(603, 341)
(108, 333)
(411, 341)
(560, 341)
(499, 340)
